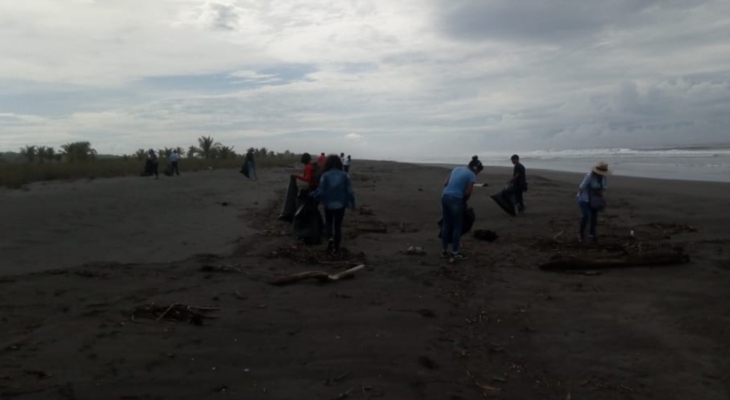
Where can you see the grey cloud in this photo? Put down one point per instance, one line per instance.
(540, 20)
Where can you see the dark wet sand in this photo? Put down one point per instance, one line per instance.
(79, 258)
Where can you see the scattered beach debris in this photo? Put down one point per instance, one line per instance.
(486, 235)
(174, 312)
(365, 210)
(664, 230)
(303, 254)
(414, 251)
(646, 260)
(344, 395)
(221, 268)
(319, 275)
(338, 379)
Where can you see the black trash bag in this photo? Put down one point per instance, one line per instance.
(148, 168)
(506, 200)
(308, 223)
(290, 202)
(467, 222)
(168, 170)
(244, 170)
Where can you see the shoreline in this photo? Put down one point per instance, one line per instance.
(557, 172)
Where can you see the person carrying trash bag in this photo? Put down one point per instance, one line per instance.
(457, 190)
(248, 169)
(336, 194)
(311, 176)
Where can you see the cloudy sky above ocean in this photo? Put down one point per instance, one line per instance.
(376, 78)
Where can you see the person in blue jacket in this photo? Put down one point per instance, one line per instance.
(594, 184)
(336, 194)
(457, 190)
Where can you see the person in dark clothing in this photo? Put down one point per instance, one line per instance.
(154, 163)
(519, 183)
(251, 164)
(336, 194)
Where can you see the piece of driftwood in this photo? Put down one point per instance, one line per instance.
(643, 260)
(320, 275)
(220, 268)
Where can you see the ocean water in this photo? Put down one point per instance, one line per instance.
(688, 163)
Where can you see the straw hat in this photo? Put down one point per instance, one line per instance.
(601, 169)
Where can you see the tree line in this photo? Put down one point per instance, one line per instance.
(207, 148)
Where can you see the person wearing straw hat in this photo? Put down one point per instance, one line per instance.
(590, 198)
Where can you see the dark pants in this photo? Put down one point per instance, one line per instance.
(333, 225)
(453, 214)
(174, 169)
(589, 215)
(519, 192)
(347, 169)
(155, 167)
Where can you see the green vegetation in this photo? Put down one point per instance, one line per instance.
(79, 160)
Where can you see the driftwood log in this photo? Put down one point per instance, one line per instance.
(320, 275)
(644, 260)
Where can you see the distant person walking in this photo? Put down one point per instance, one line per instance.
(590, 199)
(519, 183)
(251, 164)
(348, 161)
(457, 190)
(174, 163)
(336, 194)
(154, 163)
(321, 161)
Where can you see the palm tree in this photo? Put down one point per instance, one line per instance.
(193, 151)
(208, 147)
(50, 154)
(226, 152)
(29, 153)
(180, 152)
(263, 152)
(41, 154)
(140, 154)
(78, 151)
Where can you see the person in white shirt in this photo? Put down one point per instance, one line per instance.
(347, 163)
(174, 159)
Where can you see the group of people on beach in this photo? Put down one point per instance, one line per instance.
(152, 164)
(328, 183)
(459, 187)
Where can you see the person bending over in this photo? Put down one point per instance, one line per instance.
(457, 190)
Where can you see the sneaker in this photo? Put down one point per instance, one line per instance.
(459, 256)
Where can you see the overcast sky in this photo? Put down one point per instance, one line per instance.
(374, 78)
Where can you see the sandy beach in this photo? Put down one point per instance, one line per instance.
(89, 270)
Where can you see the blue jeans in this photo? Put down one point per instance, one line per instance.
(453, 214)
(589, 215)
